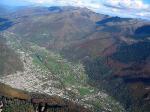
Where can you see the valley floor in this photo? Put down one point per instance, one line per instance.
(47, 72)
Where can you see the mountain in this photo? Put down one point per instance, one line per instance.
(71, 24)
(93, 59)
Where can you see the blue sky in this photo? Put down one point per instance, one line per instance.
(123, 8)
(146, 1)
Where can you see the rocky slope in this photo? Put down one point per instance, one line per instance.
(14, 100)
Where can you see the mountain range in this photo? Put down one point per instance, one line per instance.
(95, 60)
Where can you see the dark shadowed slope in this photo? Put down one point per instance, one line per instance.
(5, 24)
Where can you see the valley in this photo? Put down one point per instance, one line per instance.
(47, 72)
(94, 60)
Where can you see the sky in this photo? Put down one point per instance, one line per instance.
(122, 8)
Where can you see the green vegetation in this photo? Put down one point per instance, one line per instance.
(16, 107)
(72, 75)
(136, 52)
(85, 91)
(96, 69)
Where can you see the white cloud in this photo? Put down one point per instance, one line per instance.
(129, 4)
(128, 8)
(81, 3)
(123, 8)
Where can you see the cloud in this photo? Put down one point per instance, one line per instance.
(128, 4)
(123, 8)
(128, 8)
(92, 4)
